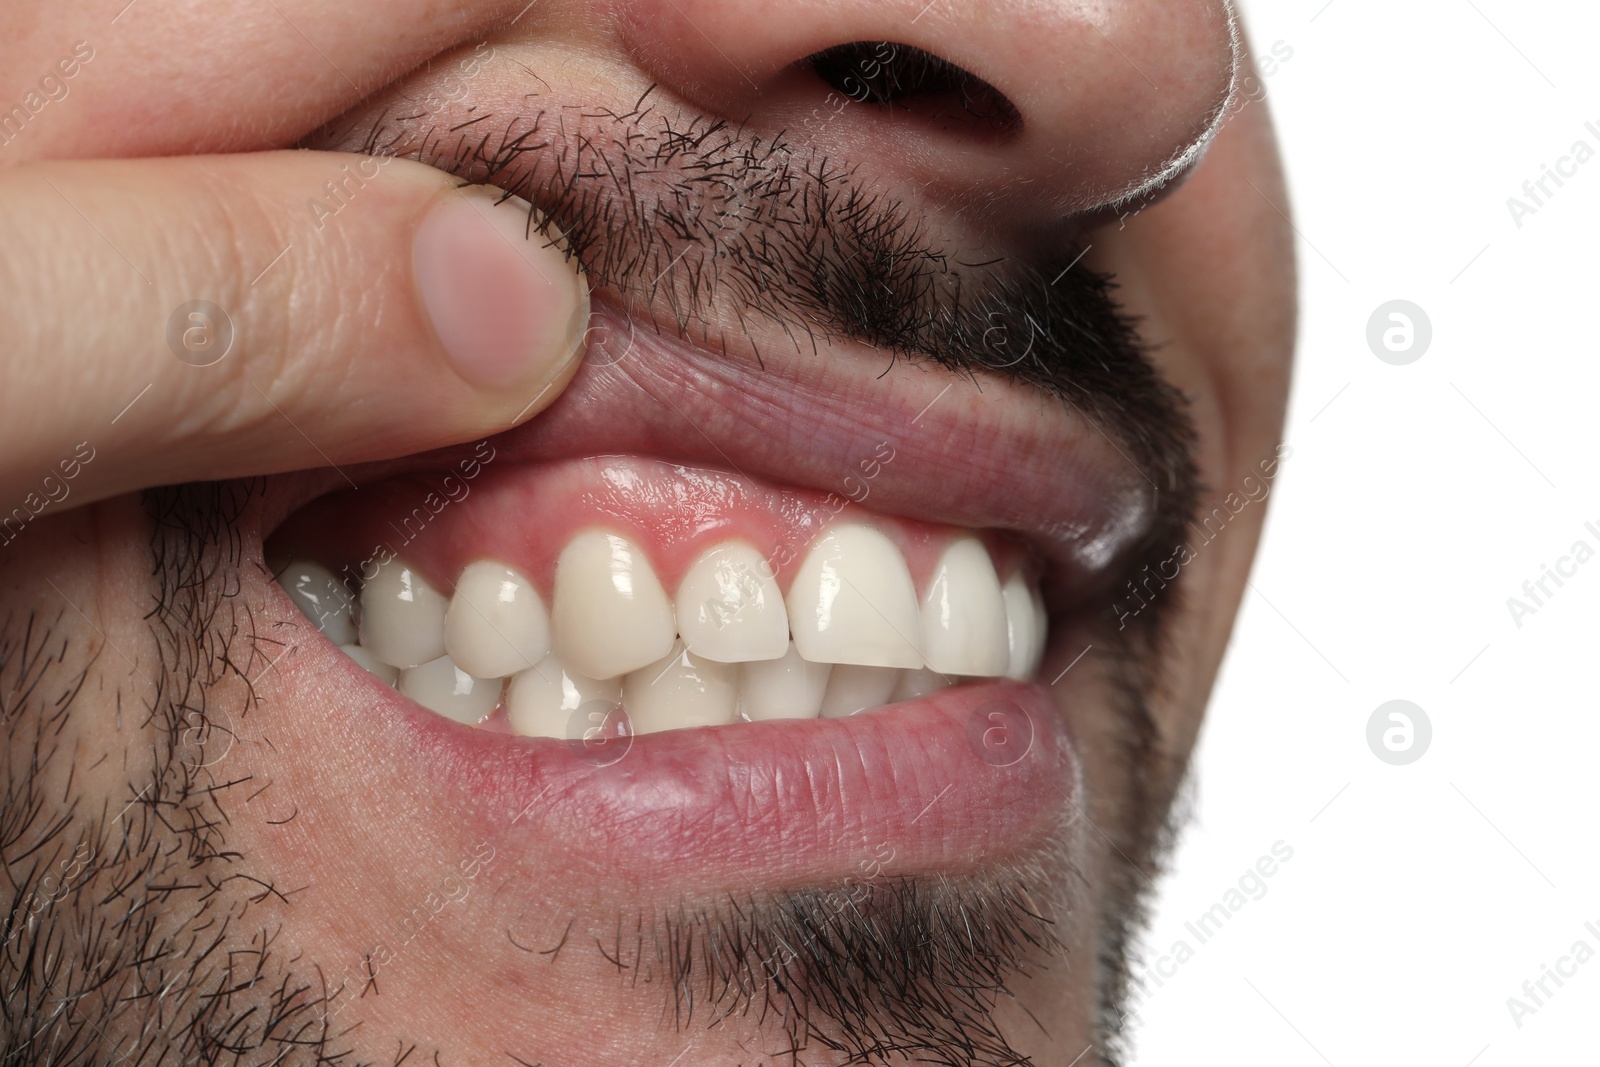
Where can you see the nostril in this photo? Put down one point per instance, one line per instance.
(900, 76)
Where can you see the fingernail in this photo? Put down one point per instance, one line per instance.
(508, 307)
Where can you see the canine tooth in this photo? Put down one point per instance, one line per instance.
(1041, 630)
(790, 687)
(853, 602)
(402, 616)
(371, 664)
(545, 699)
(439, 685)
(1026, 628)
(964, 614)
(679, 691)
(919, 683)
(853, 688)
(497, 624)
(611, 615)
(729, 607)
(319, 596)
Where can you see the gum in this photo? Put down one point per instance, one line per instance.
(525, 514)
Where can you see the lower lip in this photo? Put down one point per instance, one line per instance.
(963, 778)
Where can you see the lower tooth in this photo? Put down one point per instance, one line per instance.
(852, 689)
(920, 683)
(680, 691)
(439, 685)
(786, 688)
(550, 700)
(372, 664)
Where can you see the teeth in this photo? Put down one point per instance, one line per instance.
(860, 637)
(320, 598)
(679, 691)
(544, 700)
(920, 683)
(852, 689)
(497, 624)
(964, 615)
(372, 664)
(441, 686)
(729, 607)
(1026, 628)
(611, 615)
(853, 602)
(786, 688)
(402, 616)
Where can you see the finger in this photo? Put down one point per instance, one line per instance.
(166, 79)
(216, 317)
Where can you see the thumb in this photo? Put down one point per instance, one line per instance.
(168, 320)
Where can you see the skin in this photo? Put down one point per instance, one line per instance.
(1206, 265)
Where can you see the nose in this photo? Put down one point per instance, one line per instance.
(1070, 104)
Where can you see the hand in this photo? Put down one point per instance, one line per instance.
(186, 319)
(211, 317)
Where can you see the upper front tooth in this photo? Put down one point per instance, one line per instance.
(402, 616)
(319, 596)
(611, 615)
(441, 686)
(497, 624)
(681, 690)
(729, 607)
(1026, 628)
(964, 614)
(853, 602)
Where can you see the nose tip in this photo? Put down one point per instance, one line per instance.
(1077, 102)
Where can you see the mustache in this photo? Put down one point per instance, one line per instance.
(700, 225)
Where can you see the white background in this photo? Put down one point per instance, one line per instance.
(1418, 500)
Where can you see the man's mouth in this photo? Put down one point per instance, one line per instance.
(675, 597)
(799, 565)
(650, 604)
